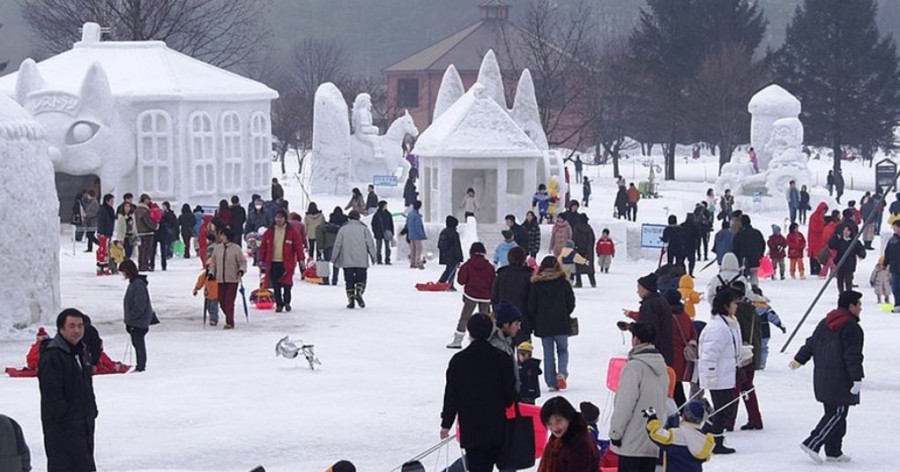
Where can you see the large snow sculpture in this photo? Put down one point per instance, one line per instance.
(449, 92)
(360, 156)
(776, 135)
(526, 112)
(490, 77)
(29, 244)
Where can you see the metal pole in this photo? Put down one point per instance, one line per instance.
(868, 220)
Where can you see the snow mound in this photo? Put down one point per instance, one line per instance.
(29, 241)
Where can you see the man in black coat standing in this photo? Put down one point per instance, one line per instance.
(383, 231)
(520, 234)
(68, 407)
(238, 221)
(480, 386)
(673, 236)
(654, 311)
(749, 246)
(106, 218)
(836, 347)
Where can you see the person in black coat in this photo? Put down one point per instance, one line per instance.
(238, 220)
(584, 238)
(106, 217)
(520, 234)
(836, 347)
(654, 310)
(187, 221)
(749, 246)
(621, 203)
(68, 406)
(674, 240)
(842, 243)
(450, 251)
(551, 302)
(480, 386)
(410, 194)
(512, 284)
(690, 233)
(382, 224)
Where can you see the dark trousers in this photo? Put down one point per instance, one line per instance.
(637, 464)
(164, 248)
(830, 431)
(691, 261)
(145, 252)
(282, 292)
(69, 445)
(719, 399)
(238, 237)
(704, 244)
(353, 276)
(481, 459)
(449, 273)
(844, 280)
(632, 211)
(814, 266)
(803, 216)
(92, 239)
(590, 277)
(387, 250)
(679, 397)
(140, 346)
(227, 295)
(128, 243)
(186, 239)
(311, 245)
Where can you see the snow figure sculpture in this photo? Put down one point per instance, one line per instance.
(358, 156)
(450, 91)
(490, 77)
(331, 143)
(526, 113)
(83, 130)
(787, 163)
(29, 249)
(768, 105)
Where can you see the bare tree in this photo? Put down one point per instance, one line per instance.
(222, 32)
(554, 47)
(725, 82)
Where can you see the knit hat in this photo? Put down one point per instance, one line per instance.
(589, 412)
(648, 282)
(694, 411)
(672, 296)
(506, 312)
(42, 334)
(525, 346)
(342, 466)
(480, 326)
(776, 229)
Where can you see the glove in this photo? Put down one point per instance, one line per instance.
(616, 442)
(794, 365)
(649, 413)
(783, 330)
(857, 386)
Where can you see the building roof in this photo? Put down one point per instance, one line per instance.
(465, 48)
(476, 127)
(144, 70)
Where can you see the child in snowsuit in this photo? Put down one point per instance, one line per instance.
(207, 282)
(796, 243)
(606, 250)
(568, 258)
(591, 415)
(777, 244)
(529, 373)
(686, 447)
(541, 201)
(586, 192)
(767, 317)
(689, 296)
(116, 255)
(881, 281)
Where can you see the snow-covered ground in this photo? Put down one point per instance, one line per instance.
(214, 400)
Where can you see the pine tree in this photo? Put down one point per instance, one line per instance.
(672, 40)
(845, 74)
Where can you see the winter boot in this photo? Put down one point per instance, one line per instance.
(360, 289)
(351, 298)
(721, 448)
(457, 341)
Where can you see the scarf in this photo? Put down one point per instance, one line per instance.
(551, 452)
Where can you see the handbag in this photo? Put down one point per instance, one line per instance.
(573, 326)
(691, 353)
(517, 451)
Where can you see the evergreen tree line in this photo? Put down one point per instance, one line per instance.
(689, 68)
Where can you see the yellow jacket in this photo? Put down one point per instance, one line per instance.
(689, 296)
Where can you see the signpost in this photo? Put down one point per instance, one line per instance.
(885, 174)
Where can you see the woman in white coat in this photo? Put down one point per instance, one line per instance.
(720, 348)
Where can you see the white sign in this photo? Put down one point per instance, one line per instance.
(384, 180)
(651, 236)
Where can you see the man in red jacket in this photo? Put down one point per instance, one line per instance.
(477, 276)
(279, 253)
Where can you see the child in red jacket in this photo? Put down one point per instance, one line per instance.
(777, 244)
(796, 243)
(606, 250)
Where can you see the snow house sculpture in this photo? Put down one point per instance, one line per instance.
(29, 246)
(144, 118)
(476, 142)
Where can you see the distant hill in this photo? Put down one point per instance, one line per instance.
(377, 33)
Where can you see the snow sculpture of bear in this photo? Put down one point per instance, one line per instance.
(29, 242)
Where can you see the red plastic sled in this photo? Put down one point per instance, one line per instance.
(614, 371)
(23, 372)
(432, 287)
(766, 269)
